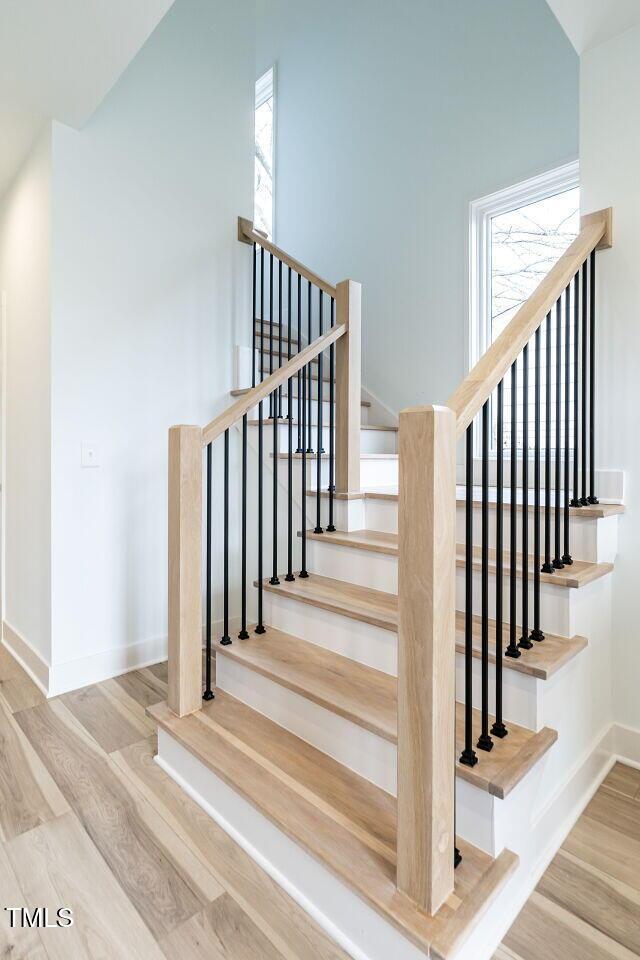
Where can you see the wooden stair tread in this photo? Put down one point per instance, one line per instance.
(381, 610)
(294, 423)
(577, 575)
(368, 698)
(221, 736)
(348, 688)
(243, 390)
(598, 511)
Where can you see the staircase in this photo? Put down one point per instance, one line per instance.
(375, 725)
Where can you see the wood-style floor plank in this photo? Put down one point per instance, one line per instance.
(594, 898)
(144, 686)
(222, 931)
(606, 849)
(617, 811)
(17, 943)
(20, 692)
(587, 904)
(144, 860)
(28, 794)
(545, 931)
(285, 924)
(57, 865)
(106, 719)
(624, 780)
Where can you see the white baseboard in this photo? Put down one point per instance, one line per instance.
(55, 679)
(31, 661)
(97, 667)
(626, 744)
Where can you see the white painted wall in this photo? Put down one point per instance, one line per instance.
(25, 277)
(149, 282)
(610, 160)
(391, 118)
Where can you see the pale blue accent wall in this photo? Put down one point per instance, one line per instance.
(391, 118)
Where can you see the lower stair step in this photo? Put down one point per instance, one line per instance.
(381, 610)
(368, 698)
(341, 820)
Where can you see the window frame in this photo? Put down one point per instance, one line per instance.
(481, 212)
(265, 89)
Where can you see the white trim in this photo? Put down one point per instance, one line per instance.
(3, 452)
(265, 89)
(30, 659)
(265, 86)
(558, 180)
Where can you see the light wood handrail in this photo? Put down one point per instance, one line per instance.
(262, 390)
(476, 388)
(248, 234)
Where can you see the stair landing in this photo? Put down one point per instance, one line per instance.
(343, 821)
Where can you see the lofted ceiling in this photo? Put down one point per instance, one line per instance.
(590, 22)
(59, 58)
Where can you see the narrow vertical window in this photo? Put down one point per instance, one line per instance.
(264, 130)
(517, 235)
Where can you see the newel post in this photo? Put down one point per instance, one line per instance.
(185, 569)
(426, 654)
(348, 388)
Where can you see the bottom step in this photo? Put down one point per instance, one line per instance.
(343, 821)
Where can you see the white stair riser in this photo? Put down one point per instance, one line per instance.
(521, 693)
(370, 470)
(371, 441)
(326, 410)
(359, 641)
(595, 540)
(380, 571)
(591, 539)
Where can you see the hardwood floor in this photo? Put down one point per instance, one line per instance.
(89, 821)
(587, 904)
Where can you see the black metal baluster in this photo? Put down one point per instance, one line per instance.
(253, 320)
(468, 756)
(244, 635)
(512, 649)
(208, 692)
(332, 369)
(300, 372)
(557, 503)
(566, 556)
(309, 374)
(536, 633)
(525, 643)
(280, 334)
(272, 412)
(303, 571)
(484, 740)
(289, 577)
(260, 625)
(584, 502)
(274, 581)
(547, 566)
(498, 729)
(225, 640)
(575, 499)
(319, 446)
(592, 380)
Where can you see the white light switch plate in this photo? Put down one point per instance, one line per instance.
(89, 456)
